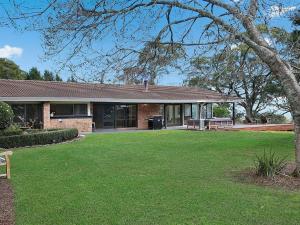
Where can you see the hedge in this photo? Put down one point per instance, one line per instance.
(42, 138)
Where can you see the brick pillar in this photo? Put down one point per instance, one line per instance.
(46, 115)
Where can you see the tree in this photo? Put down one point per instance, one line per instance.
(34, 74)
(10, 70)
(236, 70)
(72, 79)
(48, 76)
(58, 78)
(74, 26)
(221, 110)
(153, 60)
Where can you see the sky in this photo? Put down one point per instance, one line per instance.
(25, 48)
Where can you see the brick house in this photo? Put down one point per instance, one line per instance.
(88, 105)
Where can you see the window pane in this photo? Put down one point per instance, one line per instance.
(187, 110)
(61, 109)
(195, 111)
(161, 110)
(125, 116)
(80, 109)
(33, 112)
(209, 110)
(19, 111)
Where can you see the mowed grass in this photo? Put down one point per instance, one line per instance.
(159, 177)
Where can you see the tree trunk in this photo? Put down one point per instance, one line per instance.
(284, 72)
(249, 113)
(297, 145)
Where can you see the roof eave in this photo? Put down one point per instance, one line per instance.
(121, 100)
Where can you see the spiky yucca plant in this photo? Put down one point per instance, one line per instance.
(268, 165)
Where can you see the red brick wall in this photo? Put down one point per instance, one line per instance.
(144, 112)
(82, 124)
(46, 115)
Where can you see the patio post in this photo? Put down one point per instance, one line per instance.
(165, 117)
(200, 107)
(233, 113)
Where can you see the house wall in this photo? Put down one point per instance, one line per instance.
(144, 112)
(82, 124)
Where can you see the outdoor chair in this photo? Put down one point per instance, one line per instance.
(5, 161)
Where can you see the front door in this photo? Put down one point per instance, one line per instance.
(104, 115)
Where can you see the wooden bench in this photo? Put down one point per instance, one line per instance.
(4, 161)
(213, 127)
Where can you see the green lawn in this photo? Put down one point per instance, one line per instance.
(163, 177)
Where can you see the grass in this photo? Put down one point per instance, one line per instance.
(159, 177)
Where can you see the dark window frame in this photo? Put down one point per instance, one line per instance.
(72, 115)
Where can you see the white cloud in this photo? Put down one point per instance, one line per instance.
(277, 11)
(8, 51)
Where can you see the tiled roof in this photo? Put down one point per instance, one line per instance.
(32, 89)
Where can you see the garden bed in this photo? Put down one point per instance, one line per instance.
(283, 180)
(38, 137)
(6, 203)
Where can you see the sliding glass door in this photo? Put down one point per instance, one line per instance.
(126, 116)
(173, 115)
(115, 115)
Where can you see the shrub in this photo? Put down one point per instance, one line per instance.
(269, 165)
(221, 111)
(11, 130)
(40, 138)
(272, 118)
(6, 115)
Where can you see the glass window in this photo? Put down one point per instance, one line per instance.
(80, 109)
(195, 111)
(161, 110)
(126, 116)
(209, 111)
(28, 114)
(19, 111)
(187, 112)
(68, 110)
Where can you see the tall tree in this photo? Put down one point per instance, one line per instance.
(236, 70)
(48, 76)
(58, 78)
(153, 60)
(74, 26)
(34, 74)
(10, 70)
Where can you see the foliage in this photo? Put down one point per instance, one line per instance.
(72, 79)
(34, 74)
(160, 177)
(274, 118)
(49, 76)
(6, 115)
(39, 138)
(13, 129)
(269, 165)
(153, 60)
(10, 70)
(236, 71)
(221, 111)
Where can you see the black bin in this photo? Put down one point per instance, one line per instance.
(155, 123)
